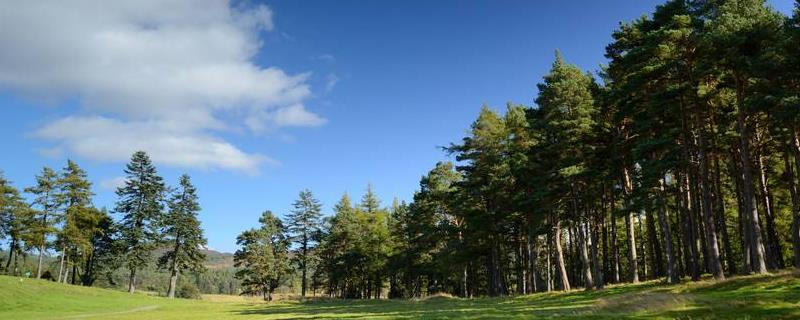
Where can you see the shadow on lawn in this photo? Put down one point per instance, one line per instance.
(572, 304)
(771, 296)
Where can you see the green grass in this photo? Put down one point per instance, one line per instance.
(774, 296)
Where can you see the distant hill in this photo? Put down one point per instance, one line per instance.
(218, 260)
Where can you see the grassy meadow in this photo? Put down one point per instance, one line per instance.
(775, 296)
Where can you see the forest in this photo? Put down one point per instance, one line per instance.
(679, 160)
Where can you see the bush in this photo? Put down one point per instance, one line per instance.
(188, 290)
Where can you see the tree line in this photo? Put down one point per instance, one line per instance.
(679, 159)
(89, 242)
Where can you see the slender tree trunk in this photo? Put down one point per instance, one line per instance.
(39, 263)
(561, 269)
(534, 260)
(795, 148)
(720, 202)
(712, 249)
(614, 248)
(748, 194)
(66, 270)
(173, 280)
(584, 255)
(643, 249)
(633, 263)
(657, 261)
(736, 176)
(606, 258)
(11, 247)
(689, 241)
(132, 281)
(774, 256)
(548, 264)
(721, 221)
(61, 264)
(596, 266)
(632, 259)
(521, 263)
(672, 272)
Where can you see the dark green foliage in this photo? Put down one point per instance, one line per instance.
(304, 229)
(182, 234)
(263, 257)
(140, 201)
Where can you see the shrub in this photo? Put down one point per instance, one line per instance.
(188, 290)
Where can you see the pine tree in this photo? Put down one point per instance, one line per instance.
(183, 233)
(16, 219)
(80, 219)
(47, 198)
(262, 258)
(741, 34)
(304, 226)
(567, 107)
(140, 201)
(370, 202)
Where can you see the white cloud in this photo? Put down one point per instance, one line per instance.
(112, 184)
(107, 139)
(161, 76)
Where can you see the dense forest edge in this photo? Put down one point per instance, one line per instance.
(677, 161)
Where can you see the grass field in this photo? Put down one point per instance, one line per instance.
(774, 296)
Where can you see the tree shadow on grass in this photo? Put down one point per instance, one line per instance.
(771, 296)
(575, 304)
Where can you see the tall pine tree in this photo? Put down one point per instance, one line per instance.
(46, 198)
(183, 234)
(140, 201)
(304, 225)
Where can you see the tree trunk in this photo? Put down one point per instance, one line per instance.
(721, 221)
(633, 264)
(548, 264)
(774, 256)
(11, 247)
(61, 265)
(561, 269)
(586, 268)
(173, 281)
(132, 281)
(689, 239)
(720, 204)
(596, 266)
(795, 147)
(748, 195)
(534, 261)
(712, 249)
(614, 248)
(643, 249)
(744, 234)
(672, 272)
(654, 245)
(39, 263)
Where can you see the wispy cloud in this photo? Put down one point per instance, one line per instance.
(327, 57)
(330, 81)
(161, 76)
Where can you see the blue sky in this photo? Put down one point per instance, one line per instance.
(257, 101)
